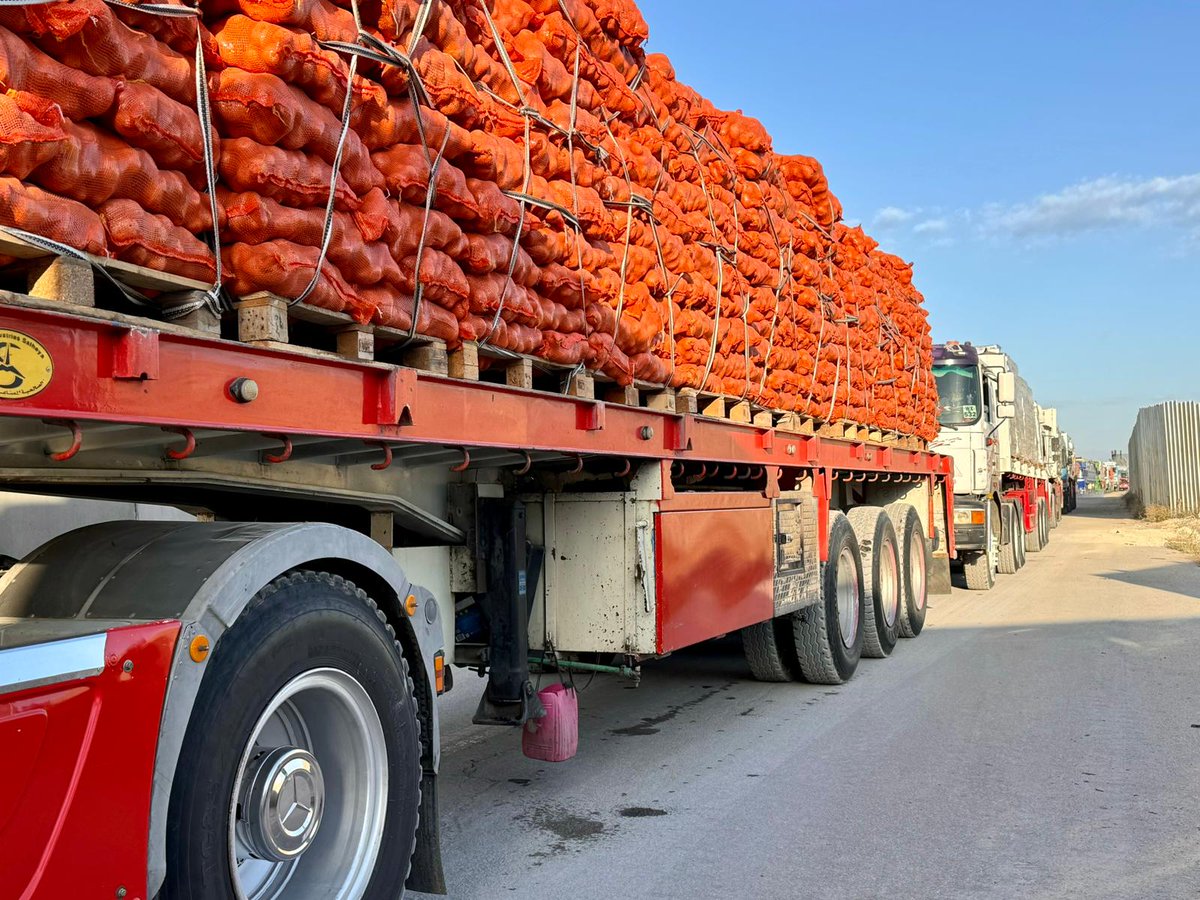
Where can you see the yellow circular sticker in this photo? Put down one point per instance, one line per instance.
(25, 366)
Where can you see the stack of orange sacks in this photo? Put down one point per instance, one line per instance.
(586, 206)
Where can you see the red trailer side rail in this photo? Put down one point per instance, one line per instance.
(108, 369)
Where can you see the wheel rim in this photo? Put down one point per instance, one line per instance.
(307, 811)
(889, 584)
(916, 567)
(848, 600)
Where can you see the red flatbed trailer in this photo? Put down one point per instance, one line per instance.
(124, 648)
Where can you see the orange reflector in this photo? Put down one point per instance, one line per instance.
(439, 672)
(978, 517)
(410, 605)
(198, 648)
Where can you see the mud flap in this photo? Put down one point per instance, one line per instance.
(426, 874)
(939, 573)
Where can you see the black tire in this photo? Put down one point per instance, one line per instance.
(299, 623)
(1044, 521)
(880, 553)
(1035, 540)
(824, 655)
(914, 546)
(978, 571)
(979, 567)
(1009, 555)
(770, 650)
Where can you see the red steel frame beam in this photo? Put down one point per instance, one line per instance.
(112, 372)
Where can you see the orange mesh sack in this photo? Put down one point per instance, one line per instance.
(25, 68)
(94, 166)
(100, 44)
(288, 176)
(265, 109)
(31, 132)
(286, 269)
(153, 241)
(31, 209)
(252, 219)
(165, 128)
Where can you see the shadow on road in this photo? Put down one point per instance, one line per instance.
(1176, 578)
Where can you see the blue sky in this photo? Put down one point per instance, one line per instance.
(1039, 162)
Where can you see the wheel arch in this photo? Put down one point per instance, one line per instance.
(205, 575)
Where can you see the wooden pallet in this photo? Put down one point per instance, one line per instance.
(714, 406)
(72, 281)
(731, 409)
(267, 320)
(643, 394)
(475, 362)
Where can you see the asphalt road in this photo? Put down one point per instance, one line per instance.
(1042, 740)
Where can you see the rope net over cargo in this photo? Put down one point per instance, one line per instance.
(520, 173)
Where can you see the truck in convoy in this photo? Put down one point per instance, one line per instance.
(1010, 461)
(1058, 449)
(246, 704)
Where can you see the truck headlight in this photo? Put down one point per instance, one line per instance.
(970, 517)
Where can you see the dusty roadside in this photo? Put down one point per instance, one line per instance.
(1156, 528)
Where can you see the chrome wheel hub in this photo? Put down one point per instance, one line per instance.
(282, 804)
(848, 599)
(889, 584)
(916, 562)
(309, 803)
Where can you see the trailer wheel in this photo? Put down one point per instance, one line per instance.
(301, 768)
(829, 634)
(1010, 557)
(1044, 519)
(1035, 540)
(914, 551)
(771, 650)
(880, 553)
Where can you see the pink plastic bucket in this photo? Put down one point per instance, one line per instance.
(555, 736)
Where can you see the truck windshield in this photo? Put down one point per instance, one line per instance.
(959, 400)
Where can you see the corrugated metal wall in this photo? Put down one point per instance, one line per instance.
(1164, 456)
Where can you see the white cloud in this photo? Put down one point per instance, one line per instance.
(932, 226)
(892, 216)
(1108, 202)
(1113, 201)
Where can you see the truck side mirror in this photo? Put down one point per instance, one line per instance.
(1006, 410)
(1006, 390)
